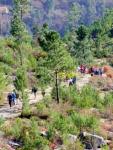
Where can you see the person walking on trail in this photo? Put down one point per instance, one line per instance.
(70, 81)
(34, 91)
(14, 97)
(10, 99)
(74, 80)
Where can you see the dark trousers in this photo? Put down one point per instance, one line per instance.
(10, 103)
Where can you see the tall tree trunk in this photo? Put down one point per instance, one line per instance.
(57, 92)
(21, 14)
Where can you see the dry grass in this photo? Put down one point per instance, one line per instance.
(62, 108)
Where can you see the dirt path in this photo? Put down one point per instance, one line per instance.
(15, 111)
(81, 82)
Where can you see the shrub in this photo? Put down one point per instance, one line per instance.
(16, 128)
(25, 106)
(47, 99)
(84, 122)
(108, 99)
(26, 131)
(68, 93)
(31, 137)
(41, 106)
(62, 124)
(90, 98)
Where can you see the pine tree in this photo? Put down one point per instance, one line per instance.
(18, 28)
(58, 58)
(74, 15)
(82, 46)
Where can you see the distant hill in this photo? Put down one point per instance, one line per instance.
(58, 13)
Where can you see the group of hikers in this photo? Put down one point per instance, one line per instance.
(13, 97)
(92, 70)
(83, 69)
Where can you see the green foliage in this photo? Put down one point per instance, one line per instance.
(96, 29)
(2, 120)
(16, 128)
(32, 63)
(82, 32)
(74, 15)
(41, 106)
(82, 47)
(57, 60)
(105, 148)
(25, 106)
(47, 100)
(87, 98)
(43, 73)
(27, 132)
(3, 81)
(18, 28)
(32, 138)
(62, 124)
(21, 80)
(108, 99)
(68, 93)
(84, 122)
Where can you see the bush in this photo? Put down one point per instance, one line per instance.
(47, 99)
(68, 93)
(25, 106)
(84, 122)
(108, 99)
(102, 53)
(26, 131)
(87, 98)
(62, 124)
(41, 106)
(16, 128)
(31, 137)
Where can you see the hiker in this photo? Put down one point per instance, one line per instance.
(96, 71)
(70, 81)
(14, 97)
(34, 91)
(82, 69)
(9, 97)
(74, 80)
(100, 71)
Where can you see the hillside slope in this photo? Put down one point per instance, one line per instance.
(59, 14)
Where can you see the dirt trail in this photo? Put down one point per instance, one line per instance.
(15, 111)
(81, 82)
